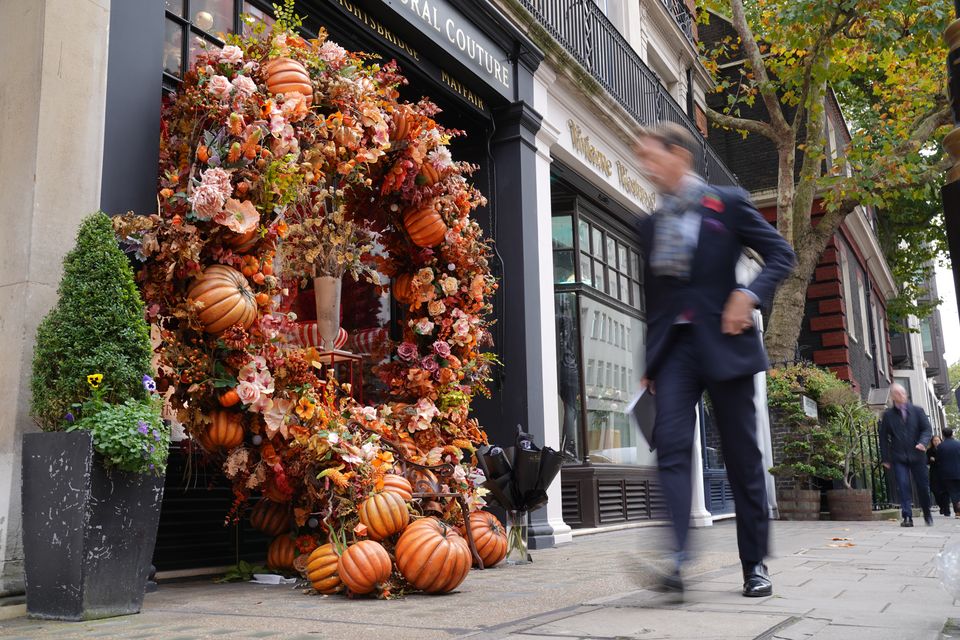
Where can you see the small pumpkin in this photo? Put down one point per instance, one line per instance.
(225, 298)
(424, 225)
(225, 431)
(489, 537)
(429, 175)
(249, 265)
(398, 484)
(229, 398)
(432, 556)
(281, 553)
(384, 514)
(364, 565)
(323, 569)
(403, 289)
(283, 75)
(270, 517)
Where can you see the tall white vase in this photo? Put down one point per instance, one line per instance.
(326, 292)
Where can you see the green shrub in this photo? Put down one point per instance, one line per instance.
(97, 327)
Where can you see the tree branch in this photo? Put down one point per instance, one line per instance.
(767, 92)
(746, 124)
(826, 36)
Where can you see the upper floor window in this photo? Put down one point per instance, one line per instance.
(845, 275)
(926, 335)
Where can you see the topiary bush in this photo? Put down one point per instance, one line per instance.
(91, 366)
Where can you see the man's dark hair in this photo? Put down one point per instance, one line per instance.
(947, 432)
(671, 134)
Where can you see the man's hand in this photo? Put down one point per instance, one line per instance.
(648, 384)
(920, 447)
(737, 313)
(886, 465)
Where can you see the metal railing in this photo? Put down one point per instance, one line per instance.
(591, 39)
(683, 18)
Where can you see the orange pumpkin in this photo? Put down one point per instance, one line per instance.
(323, 569)
(423, 480)
(225, 431)
(364, 565)
(424, 225)
(401, 125)
(432, 556)
(489, 537)
(224, 297)
(429, 175)
(270, 517)
(398, 485)
(281, 553)
(403, 289)
(384, 514)
(283, 75)
(229, 398)
(249, 265)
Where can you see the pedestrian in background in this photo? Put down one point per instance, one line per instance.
(904, 435)
(948, 469)
(940, 494)
(700, 335)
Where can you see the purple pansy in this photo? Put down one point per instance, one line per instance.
(143, 427)
(149, 384)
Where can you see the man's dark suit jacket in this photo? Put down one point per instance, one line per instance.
(729, 222)
(948, 459)
(899, 438)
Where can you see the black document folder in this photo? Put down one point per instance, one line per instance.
(643, 410)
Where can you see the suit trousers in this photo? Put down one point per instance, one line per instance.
(680, 383)
(902, 471)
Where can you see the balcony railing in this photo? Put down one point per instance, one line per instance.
(592, 40)
(682, 17)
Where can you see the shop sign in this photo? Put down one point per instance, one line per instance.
(444, 24)
(593, 155)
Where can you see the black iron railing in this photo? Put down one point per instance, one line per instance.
(682, 17)
(591, 39)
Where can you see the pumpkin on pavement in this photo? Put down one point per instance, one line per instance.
(432, 556)
(364, 565)
(281, 553)
(489, 537)
(323, 569)
(224, 297)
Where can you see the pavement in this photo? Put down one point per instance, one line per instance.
(832, 581)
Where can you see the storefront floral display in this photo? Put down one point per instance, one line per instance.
(285, 160)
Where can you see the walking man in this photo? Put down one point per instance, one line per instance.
(948, 469)
(700, 335)
(904, 435)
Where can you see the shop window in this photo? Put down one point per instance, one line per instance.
(195, 25)
(600, 357)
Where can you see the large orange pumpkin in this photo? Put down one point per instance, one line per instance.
(323, 569)
(489, 537)
(398, 485)
(364, 565)
(225, 297)
(432, 556)
(384, 514)
(283, 75)
(281, 553)
(225, 431)
(402, 288)
(271, 517)
(424, 225)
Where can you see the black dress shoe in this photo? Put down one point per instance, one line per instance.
(907, 522)
(928, 519)
(671, 584)
(756, 581)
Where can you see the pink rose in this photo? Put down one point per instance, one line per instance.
(249, 392)
(231, 54)
(429, 364)
(220, 87)
(244, 86)
(407, 351)
(424, 327)
(441, 348)
(240, 217)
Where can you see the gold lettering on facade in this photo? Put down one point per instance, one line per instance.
(631, 186)
(375, 26)
(467, 94)
(593, 155)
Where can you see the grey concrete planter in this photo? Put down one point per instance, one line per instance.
(88, 534)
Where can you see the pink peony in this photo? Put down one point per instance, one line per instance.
(207, 201)
(244, 86)
(441, 348)
(231, 54)
(407, 351)
(240, 217)
(220, 87)
(332, 53)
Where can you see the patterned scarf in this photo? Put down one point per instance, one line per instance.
(675, 232)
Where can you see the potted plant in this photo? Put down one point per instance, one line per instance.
(853, 424)
(810, 450)
(93, 478)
